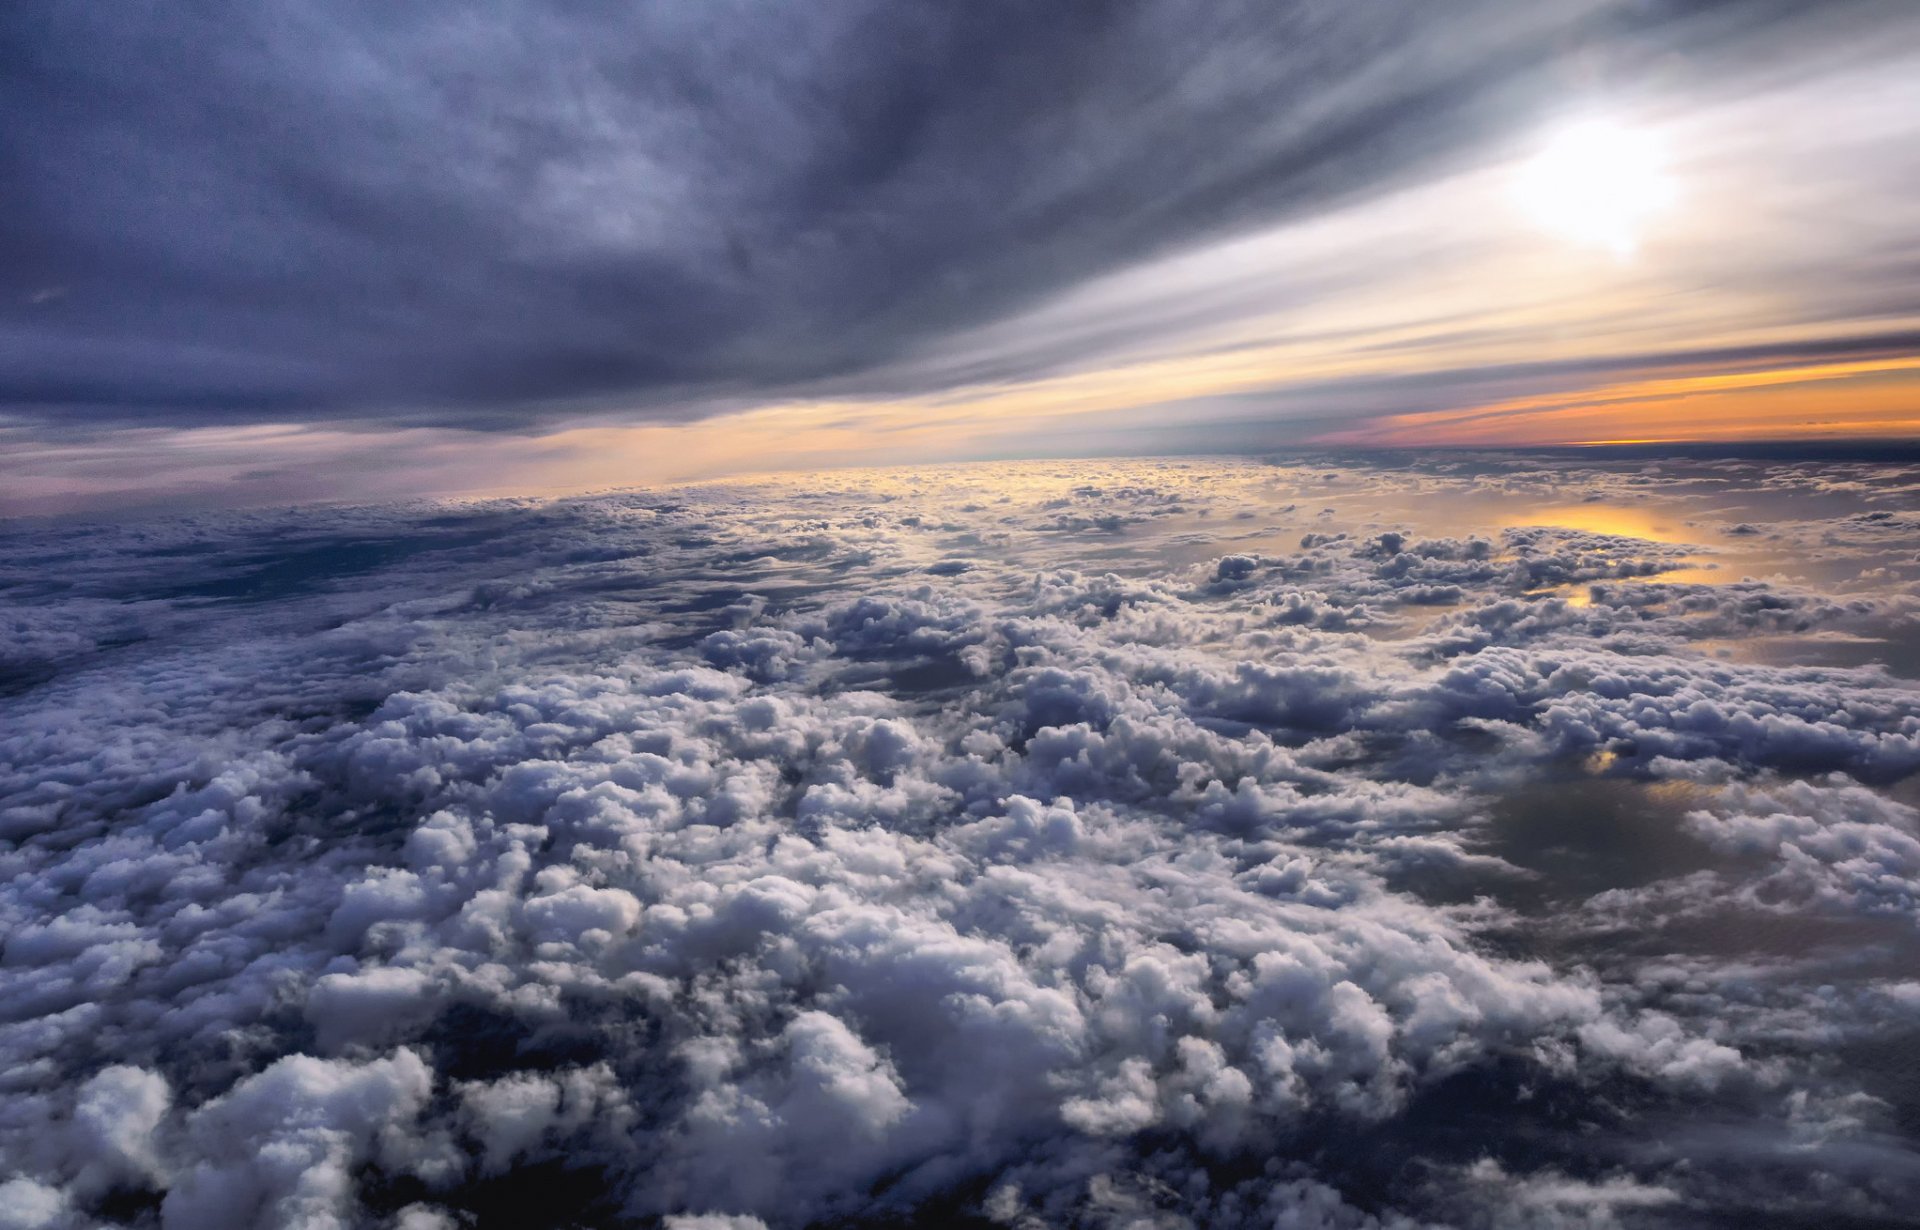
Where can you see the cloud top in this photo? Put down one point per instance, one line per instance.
(1194, 856)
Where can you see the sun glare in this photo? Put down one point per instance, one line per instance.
(1597, 183)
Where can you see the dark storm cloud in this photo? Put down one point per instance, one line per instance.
(241, 211)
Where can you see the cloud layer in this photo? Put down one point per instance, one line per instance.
(222, 212)
(1131, 844)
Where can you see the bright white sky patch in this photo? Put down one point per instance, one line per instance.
(1597, 182)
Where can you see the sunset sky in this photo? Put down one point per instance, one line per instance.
(995, 614)
(259, 252)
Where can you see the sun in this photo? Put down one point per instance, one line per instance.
(1598, 183)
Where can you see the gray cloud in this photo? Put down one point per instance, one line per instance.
(227, 212)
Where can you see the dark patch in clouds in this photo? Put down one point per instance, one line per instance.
(437, 213)
(1095, 844)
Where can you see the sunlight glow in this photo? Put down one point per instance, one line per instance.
(1597, 183)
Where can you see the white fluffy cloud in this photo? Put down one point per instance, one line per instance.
(741, 855)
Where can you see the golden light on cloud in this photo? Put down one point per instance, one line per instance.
(1617, 520)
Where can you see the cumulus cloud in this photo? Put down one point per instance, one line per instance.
(632, 852)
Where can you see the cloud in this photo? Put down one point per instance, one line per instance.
(643, 856)
(32, 1206)
(280, 1146)
(419, 220)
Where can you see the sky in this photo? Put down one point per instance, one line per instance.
(1009, 614)
(257, 252)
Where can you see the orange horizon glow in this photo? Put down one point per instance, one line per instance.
(1860, 399)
